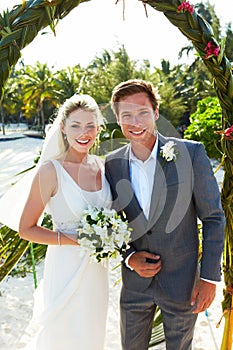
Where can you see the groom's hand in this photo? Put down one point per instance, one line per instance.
(139, 262)
(203, 295)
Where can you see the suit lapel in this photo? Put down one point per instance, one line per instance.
(129, 201)
(158, 196)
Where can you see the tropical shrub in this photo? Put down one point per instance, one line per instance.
(203, 123)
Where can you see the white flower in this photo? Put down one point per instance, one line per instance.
(103, 233)
(168, 151)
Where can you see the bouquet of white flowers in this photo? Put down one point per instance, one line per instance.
(103, 233)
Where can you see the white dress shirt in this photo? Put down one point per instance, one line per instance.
(142, 180)
(142, 177)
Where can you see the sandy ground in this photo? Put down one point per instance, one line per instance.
(16, 294)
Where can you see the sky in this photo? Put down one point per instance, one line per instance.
(96, 25)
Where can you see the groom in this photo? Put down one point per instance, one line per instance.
(164, 185)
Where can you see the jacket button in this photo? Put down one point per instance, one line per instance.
(149, 232)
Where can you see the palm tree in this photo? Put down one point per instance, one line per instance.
(38, 88)
(68, 81)
(12, 101)
(169, 81)
(2, 119)
(124, 68)
(98, 80)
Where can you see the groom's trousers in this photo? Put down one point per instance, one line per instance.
(137, 314)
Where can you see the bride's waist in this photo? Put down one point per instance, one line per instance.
(69, 228)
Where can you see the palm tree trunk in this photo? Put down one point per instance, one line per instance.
(228, 329)
(3, 120)
(42, 117)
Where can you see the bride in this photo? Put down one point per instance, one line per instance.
(73, 299)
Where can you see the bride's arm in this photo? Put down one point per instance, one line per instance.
(43, 188)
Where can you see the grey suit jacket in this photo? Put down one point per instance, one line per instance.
(184, 190)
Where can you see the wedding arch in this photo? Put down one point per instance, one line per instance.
(20, 26)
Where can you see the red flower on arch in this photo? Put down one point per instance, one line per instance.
(186, 6)
(228, 131)
(211, 49)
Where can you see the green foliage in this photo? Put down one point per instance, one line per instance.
(108, 70)
(25, 264)
(15, 252)
(229, 43)
(172, 106)
(204, 122)
(11, 249)
(169, 83)
(39, 87)
(68, 81)
(41, 90)
(157, 335)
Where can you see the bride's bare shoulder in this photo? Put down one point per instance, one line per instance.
(47, 169)
(46, 178)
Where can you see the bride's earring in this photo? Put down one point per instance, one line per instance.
(65, 137)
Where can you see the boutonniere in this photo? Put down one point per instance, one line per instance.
(168, 152)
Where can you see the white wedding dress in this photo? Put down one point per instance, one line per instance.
(71, 301)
